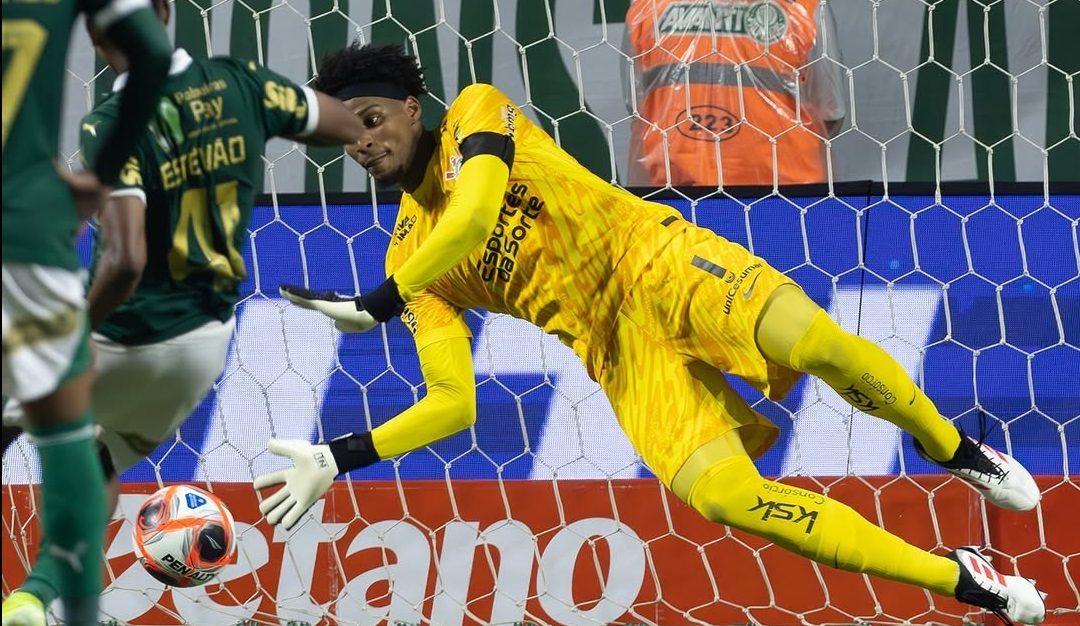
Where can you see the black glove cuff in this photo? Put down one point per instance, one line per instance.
(384, 302)
(353, 451)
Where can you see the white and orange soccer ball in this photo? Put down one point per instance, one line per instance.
(184, 536)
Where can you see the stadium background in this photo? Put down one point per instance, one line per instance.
(975, 288)
(983, 69)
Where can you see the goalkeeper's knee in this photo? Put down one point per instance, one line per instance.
(723, 488)
(825, 350)
(732, 492)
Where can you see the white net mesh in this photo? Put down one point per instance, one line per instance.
(543, 512)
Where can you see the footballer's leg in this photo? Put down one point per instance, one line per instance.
(721, 483)
(141, 395)
(145, 392)
(698, 435)
(47, 366)
(14, 417)
(793, 331)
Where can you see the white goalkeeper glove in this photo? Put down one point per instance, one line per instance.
(349, 314)
(309, 478)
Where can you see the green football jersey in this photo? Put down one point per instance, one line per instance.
(39, 218)
(199, 167)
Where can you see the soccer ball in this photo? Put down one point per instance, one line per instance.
(184, 536)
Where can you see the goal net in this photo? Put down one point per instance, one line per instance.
(542, 513)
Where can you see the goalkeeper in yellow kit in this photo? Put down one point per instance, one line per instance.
(495, 215)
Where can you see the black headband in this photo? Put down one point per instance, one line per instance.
(380, 89)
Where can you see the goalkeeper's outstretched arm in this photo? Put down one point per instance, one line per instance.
(468, 220)
(448, 408)
(471, 214)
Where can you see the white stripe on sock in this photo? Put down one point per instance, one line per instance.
(86, 432)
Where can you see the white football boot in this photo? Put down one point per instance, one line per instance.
(1000, 478)
(1010, 597)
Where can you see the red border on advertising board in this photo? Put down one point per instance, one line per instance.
(689, 569)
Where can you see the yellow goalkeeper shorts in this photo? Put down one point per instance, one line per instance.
(691, 317)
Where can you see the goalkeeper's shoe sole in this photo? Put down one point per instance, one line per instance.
(1001, 479)
(1010, 597)
(23, 609)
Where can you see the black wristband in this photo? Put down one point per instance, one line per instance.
(352, 451)
(384, 302)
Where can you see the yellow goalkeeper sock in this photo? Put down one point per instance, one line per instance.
(732, 492)
(873, 382)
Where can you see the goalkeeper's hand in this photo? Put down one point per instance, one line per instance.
(349, 314)
(311, 475)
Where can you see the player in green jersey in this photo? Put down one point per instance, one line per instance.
(169, 259)
(46, 354)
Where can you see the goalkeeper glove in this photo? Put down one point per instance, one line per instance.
(351, 315)
(313, 471)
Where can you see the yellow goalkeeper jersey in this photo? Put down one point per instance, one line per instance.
(565, 250)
